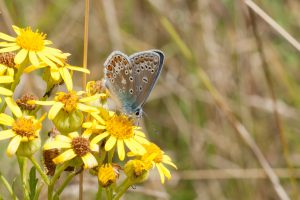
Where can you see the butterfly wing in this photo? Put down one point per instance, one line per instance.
(147, 66)
(119, 79)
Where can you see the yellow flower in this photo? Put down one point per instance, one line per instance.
(60, 71)
(137, 170)
(68, 102)
(75, 146)
(107, 175)
(96, 87)
(119, 129)
(23, 128)
(30, 45)
(158, 158)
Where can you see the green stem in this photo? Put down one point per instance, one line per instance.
(39, 169)
(111, 155)
(122, 189)
(108, 193)
(38, 191)
(57, 174)
(23, 165)
(8, 187)
(99, 193)
(64, 184)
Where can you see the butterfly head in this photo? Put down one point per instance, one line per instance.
(138, 112)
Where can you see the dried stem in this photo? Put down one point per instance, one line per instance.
(268, 77)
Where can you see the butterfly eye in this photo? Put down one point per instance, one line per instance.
(137, 113)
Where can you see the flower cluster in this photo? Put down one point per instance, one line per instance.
(87, 134)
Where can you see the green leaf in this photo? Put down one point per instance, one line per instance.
(32, 183)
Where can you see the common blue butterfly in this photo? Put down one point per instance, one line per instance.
(130, 79)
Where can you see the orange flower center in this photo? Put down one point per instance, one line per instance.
(69, 100)
(25, 128)
(29, 40)
(120, 126)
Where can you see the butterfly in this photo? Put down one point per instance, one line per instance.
(130, 79)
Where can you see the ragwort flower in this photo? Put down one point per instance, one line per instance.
(75, 146)
(158, 158)
(107, 175)
(23, 128)
(32, 45)
(119, 129)
(68, 102)
(60, 71)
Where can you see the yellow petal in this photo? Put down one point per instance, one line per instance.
(87, 108)
(170, 163)
(6, 119)
(3, 36)
(110, 143)
(16, 29)
(6, 134)
(140, 133)
(141, 140)
(161, 174)
(73, 135)
(6, 44)
(165, 171)
(43, 103)
(45, 59)
(47, 42)
(56, 145)
(89, 161)
(56, 52)
(90, 98)
(63, 138)
(66, 76)
(33, 58)
(98, 118)
(138, 146)
(80, 69)
(21, 55)
(6, 79)
(54, 110)
(121, 150)
(5, 92)
(32, 67)
(65, 156)
(132, 148)
(55, 59)
(94, 147)
(10, 72)
(87, 125)
(55, 74)
(13, 107)
(13, 145)
(9, 49)
(99, 137)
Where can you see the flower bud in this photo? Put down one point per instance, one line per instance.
(137, 170)
(29, 148)
(107, 175)
(67, 122)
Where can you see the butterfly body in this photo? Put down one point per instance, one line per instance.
(130, 79)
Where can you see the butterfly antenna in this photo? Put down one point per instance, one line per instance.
(151, 124)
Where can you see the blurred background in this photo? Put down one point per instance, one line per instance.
(249, 68)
